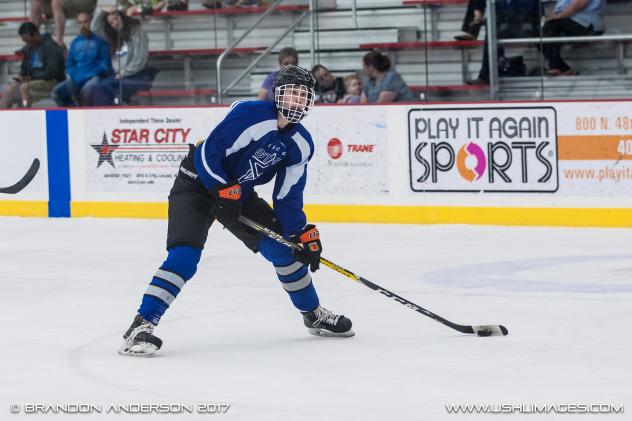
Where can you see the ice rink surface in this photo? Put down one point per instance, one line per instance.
(69, 288)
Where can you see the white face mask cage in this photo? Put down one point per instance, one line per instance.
(294, 101)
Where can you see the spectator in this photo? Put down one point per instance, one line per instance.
(473, 21)
(59, 10)
(218, 4)
(129, 45)
(571, 18)
(353, 90)
(329, 89)
(41, 69)
(514, 19)
(385, 84)
(177, 5)
(287, 56)
(87, 62)
(144, 7)
(212, 4)
(243, 3)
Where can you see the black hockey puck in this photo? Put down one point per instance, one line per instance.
(485, 332)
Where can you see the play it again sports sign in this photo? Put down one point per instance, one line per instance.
(483, 150)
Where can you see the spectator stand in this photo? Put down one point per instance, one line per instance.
(340, 33)
(179, 44)
(462, 46)
(191, 28)
(608, 76)
(5, 61)
(604, 62)
(444, 72)
(186, 81)
(186, 46)
(333, 37)
(14, 9)
(442, 21)
(224, 19)
(432, 8)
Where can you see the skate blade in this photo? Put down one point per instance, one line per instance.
(143, 350)
(324, 332)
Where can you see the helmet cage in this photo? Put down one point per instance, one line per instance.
(294, 101)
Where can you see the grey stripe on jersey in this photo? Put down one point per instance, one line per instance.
(170, 277)
(288, 270)
(298, 285)
(252, 134)
(158, 292)
(295, 172)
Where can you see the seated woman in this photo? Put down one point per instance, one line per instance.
(384, 84)
(129, 46)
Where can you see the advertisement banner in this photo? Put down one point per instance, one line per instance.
(563, 156)
(24, 156)
(135, 153)
(595, 149)
(351, 151)
(490, 149)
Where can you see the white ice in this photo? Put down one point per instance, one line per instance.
(70, 287)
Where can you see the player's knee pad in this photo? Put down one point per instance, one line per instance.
(275, 252)
(183, 261)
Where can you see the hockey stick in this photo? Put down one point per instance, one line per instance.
(482, 330)
(28, 177)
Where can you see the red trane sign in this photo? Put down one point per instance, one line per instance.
(335, 148)
(360, 148)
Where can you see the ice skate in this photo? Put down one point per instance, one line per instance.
(322, 322)
(139, 339)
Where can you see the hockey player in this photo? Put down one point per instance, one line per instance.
(257, 141)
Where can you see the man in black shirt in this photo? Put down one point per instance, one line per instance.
(329, 89)
(41, 70)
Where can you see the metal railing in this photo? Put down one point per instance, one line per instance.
(222, 92)
(491, 49)
(554, 40)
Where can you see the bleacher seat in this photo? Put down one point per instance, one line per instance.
(416, 34)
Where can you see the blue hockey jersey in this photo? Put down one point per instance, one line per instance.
(248, 147)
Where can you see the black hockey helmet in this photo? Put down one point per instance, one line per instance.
(294, 92)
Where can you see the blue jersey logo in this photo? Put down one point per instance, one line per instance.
(259, 162)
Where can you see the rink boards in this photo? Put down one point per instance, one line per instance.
(529, 163)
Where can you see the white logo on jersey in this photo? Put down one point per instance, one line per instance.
(258, 163)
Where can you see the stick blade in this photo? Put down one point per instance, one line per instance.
(26, 179)
(490, 330)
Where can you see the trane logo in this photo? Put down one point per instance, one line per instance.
(335, 148)
(360, 148)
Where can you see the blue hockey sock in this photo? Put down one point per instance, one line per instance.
(294, 276)
(176, 270)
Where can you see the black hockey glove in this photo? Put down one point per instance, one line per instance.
(227, 206)
(309, 238)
